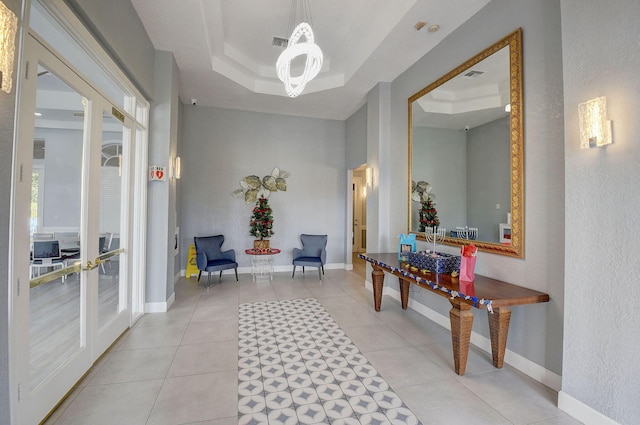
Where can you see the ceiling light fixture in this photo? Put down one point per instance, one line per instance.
(300, 17)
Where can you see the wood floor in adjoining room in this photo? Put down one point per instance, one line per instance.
(54, 319)
(182, 367)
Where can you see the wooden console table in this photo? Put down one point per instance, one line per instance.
(494, 295)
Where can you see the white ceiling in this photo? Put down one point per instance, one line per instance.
(225, 57)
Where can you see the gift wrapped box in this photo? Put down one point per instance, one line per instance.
(438, 262)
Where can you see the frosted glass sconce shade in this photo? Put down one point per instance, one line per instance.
(8, 29)
(595, 129)
(177, 167)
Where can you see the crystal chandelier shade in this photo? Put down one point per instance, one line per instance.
(301, 42)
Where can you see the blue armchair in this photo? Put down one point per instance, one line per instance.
(210, 258)
(313, 253)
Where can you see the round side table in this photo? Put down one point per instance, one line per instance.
(262, 262)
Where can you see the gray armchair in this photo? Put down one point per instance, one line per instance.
(313, 253)
(210, 257)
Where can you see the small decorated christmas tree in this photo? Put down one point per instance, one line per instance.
(428, 215)
(261, 222)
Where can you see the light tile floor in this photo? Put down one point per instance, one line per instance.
(295, 365)
(181, 367)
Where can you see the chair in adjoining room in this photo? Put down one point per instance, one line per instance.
(210, 257)
(102, 241)
(312, 254)
(46, 254)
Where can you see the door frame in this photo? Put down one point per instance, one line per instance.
(137, 111)
(47, 392)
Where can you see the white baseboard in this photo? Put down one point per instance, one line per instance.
(284, 268)
(160, 307)
(585, 414)
(515, 360)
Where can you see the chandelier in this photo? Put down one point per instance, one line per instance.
(301, 42)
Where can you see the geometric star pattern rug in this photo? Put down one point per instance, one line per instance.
(296, 366)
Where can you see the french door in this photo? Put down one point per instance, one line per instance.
(71, 230)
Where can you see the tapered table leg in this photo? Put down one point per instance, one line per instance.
(377, 275)
(461, 323)
(498, 330)
(404, 292)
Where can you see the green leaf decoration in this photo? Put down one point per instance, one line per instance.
(269, 182)
(281, 184)
(254, 182)
(263, 193)
(421, 191)
(252, 187)
(251, 196)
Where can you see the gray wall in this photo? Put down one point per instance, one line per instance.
(220, 147)
(117, 26)
(535, 331)
(177, 259)
(63, 178)
(439, 157)
(161, 195)
(357, 139)
(600, 55)
(489, 177)
(469, 173)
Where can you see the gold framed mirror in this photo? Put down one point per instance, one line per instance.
(466, 152)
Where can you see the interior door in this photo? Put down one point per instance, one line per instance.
(359, 214)
(76, 301)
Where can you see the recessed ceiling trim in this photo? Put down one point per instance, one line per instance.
(235, 55)
(264, 84)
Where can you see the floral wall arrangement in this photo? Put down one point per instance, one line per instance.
(253, 188)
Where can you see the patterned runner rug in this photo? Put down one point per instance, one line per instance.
(296, 366)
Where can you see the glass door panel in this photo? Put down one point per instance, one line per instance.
(113, 193)
(55, 296)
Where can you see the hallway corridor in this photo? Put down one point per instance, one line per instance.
(181, 367)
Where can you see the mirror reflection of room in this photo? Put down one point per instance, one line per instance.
(465, 147)
(461, 148)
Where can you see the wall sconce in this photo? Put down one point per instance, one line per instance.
(8, 29)
(595, 129)
(369, 177)
(177, 167)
